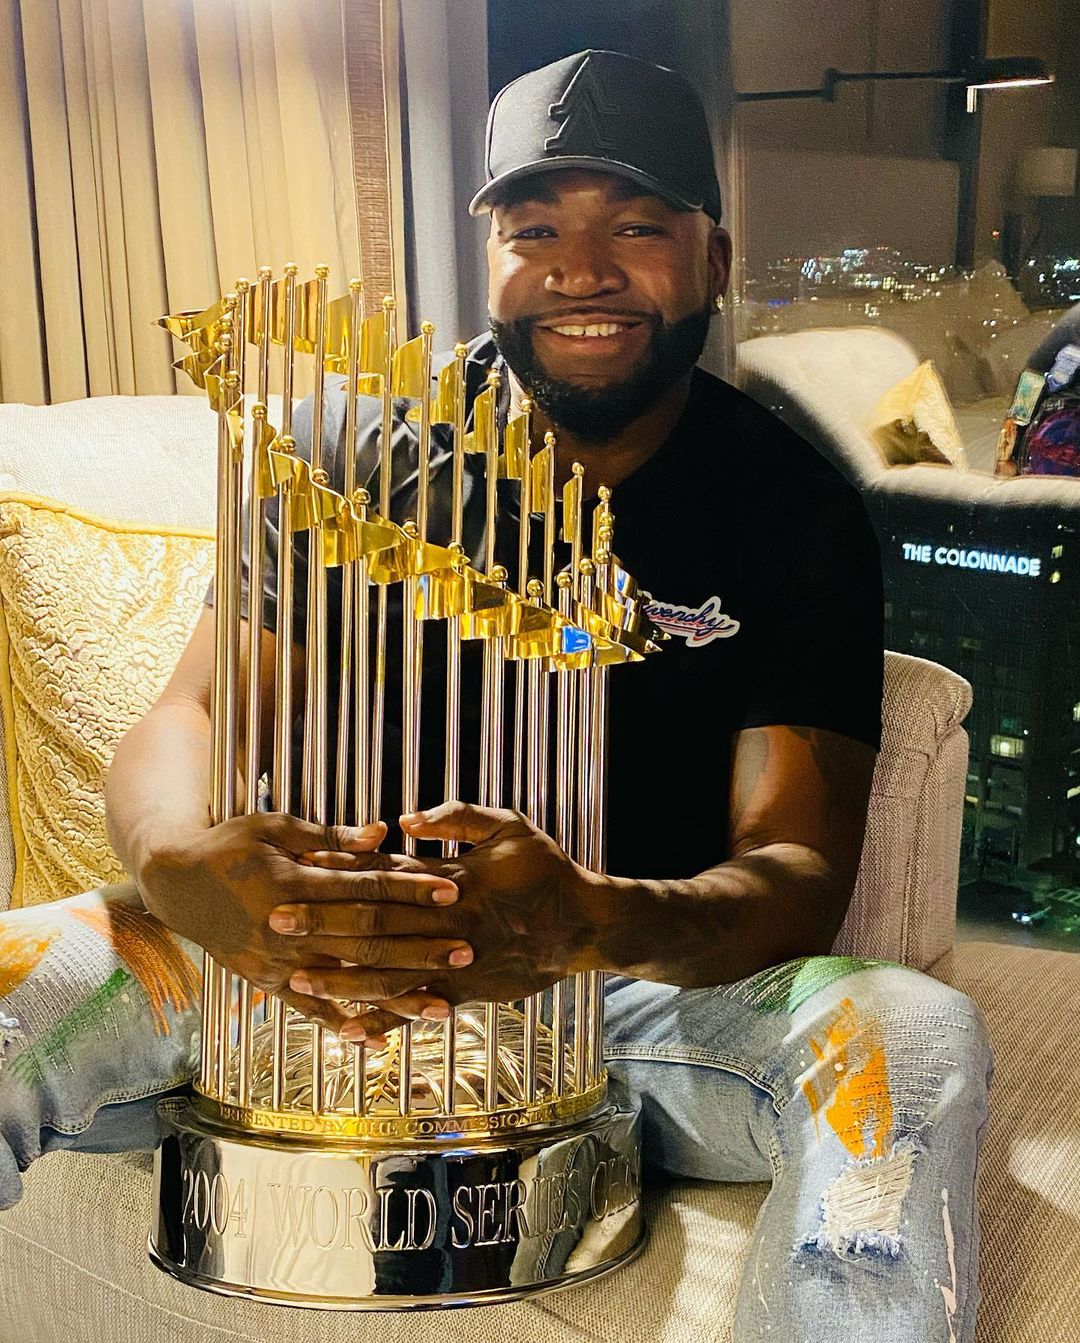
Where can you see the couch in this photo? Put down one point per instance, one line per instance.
(73, 1263)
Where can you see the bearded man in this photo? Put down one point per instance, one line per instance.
(741, 758)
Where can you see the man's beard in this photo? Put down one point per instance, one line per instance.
(597, 414)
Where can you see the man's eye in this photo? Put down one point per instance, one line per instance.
(536, 231)
(641, 230)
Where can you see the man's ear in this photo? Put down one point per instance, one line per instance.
(719, 260)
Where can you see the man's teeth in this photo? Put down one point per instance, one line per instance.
(598, 329)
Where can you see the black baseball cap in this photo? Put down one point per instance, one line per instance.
(609, 112)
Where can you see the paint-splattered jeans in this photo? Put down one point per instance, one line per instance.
(860, 1090)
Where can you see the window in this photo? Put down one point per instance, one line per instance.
(1009, 748)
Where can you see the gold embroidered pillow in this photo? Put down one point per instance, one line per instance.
(95, 615)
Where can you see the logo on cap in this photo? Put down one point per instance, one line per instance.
(582, 110)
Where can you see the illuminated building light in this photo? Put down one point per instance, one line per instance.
(1057, 552)
(1009, 748)
(1055, 577)
(971, 800)
(1073, 792)
(956, 557)
(1076, 713)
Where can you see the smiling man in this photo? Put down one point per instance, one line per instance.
(740, 760)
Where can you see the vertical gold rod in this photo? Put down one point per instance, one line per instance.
(209, 1018)
(224, 1031)
(227, 749)
(411, 688)
(549, 596)
(491, 482)
(457, 496)
(452, 775)
(450, 1061)
(322, 274)
(413, 627)
(405, 1068)
(413, 670)
(583, 1025)
(491, 719)
(243, 1066)
(348, 571)
(277, 1078)
(378, 708)
(289, 365)
(263, 301)
(256, 571)
(599, 716)
(536, 747)
(452, 769)
(524, 520)
(605, 577)
(359, 1080)
(565, 729)
(252, 727)
(494, 665)
(318, 1076)
(423, 470)
(580, 1032)
(451, 789)
(281, 790)
(491, 1056)
(558, 1037)
(226, 578)
(315, 705)
(361, 672)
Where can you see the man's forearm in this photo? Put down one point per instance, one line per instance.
(157, 789)
(770, 905)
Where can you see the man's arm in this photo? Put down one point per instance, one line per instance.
(798, 807)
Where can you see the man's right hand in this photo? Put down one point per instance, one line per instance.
(218, 886)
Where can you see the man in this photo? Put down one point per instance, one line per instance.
(741, 760)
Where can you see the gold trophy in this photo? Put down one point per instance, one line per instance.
(470, 1160)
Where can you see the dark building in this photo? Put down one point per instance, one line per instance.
(1004, 611)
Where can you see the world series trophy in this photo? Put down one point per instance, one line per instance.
(468, 1160)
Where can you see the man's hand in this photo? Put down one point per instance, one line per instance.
(523, 909)
(219, 886)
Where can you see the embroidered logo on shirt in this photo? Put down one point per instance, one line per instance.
(698, 627)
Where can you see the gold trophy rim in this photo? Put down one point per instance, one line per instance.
(538, 1116)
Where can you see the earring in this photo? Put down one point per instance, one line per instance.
(718, 303)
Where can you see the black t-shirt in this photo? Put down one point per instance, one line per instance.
(762, 565)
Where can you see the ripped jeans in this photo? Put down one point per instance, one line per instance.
(860, 1090)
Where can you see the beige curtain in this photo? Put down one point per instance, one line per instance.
(151, 152)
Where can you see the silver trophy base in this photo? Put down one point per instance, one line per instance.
(354, 1225)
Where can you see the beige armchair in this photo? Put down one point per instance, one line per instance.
(73, 1261)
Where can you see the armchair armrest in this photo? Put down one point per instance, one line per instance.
(904, 906)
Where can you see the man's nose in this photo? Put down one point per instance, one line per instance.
(585, 270)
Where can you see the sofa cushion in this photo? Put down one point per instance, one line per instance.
(913, 422)
(94, 617)
(86, 1272)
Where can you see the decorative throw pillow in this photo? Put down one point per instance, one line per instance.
(914, 422)
(95, 615)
